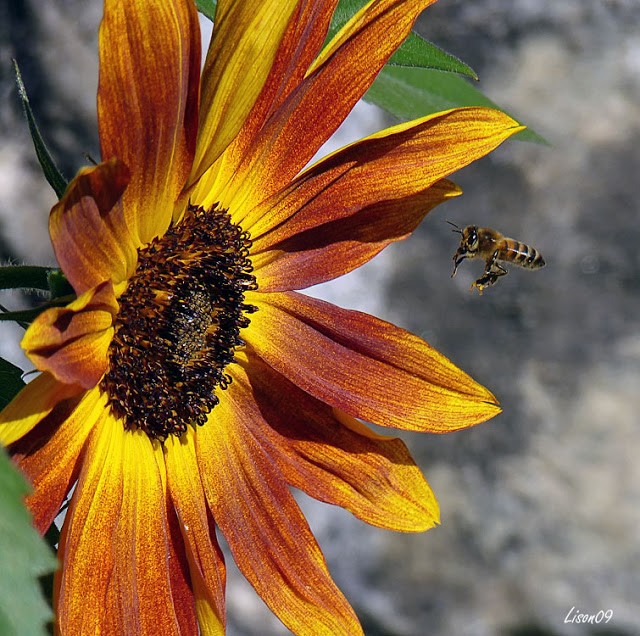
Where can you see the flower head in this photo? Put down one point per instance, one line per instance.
(189, 385)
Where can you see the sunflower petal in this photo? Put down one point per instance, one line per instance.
(206, 562)
(148, 101)
(114, 545)
(319, 104)
(88, 231)
(180, 577)
(301, 43)
(49, 455)
(268, 536)
(246, 36)
(398, 162)
(32, 405)
(72, 342)
(374, 477)
(364, 366)
(339, 246)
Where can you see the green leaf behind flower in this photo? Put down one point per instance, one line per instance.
(10, 383)
(413, 52)
(419, 79)
(410, 93)
(207, 8)
(24, 557)
(51, 172)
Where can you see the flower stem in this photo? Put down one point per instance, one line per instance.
(25, 277)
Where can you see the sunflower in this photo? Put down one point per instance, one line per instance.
(189, 386)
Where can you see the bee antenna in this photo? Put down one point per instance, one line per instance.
(457, 229)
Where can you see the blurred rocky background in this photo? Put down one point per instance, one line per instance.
(541, 506)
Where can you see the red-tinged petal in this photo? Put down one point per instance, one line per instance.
(180, 578)
(32, 405)
(391, 164)
(364, 366)
(114, 548)
(268, 536)
(148, 103)
(72, 342)
(206, 562)
(87, 551)
(305, 35)
(372, 476)
(88, 231)
(245, 41)
(339, 246)
(319, 104)
(49, 455)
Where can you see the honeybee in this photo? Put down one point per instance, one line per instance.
(482, 242)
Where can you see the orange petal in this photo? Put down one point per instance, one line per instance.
(32, 405)
(305, 35)
(180, 577)
(364, 366)
(374, 477)
(264, 527)
(148, 103)
(245, 41)
(114, 547)
(49, 455)
(394, 163)
(319, 104)
(206, 562)
(88, 231)
(341, 244)
(72, 342)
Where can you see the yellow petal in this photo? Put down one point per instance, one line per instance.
(32, 405)
(206, 563)
(245, 41)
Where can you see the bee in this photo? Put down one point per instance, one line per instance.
(482, 242)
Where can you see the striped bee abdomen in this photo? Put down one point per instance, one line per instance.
(513, 251)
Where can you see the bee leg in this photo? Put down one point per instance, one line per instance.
(485, 281)
(498, 270)
(492, 272)
(458, 257)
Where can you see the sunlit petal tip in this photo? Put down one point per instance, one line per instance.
(72, 342)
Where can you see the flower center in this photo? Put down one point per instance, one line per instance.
(179, 324)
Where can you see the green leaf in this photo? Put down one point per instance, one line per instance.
(419, 78)
(24, 557)
(417, 52)
(410, 93)
(51, 172)
(207, 8)
(414, 51)
(10, 383)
